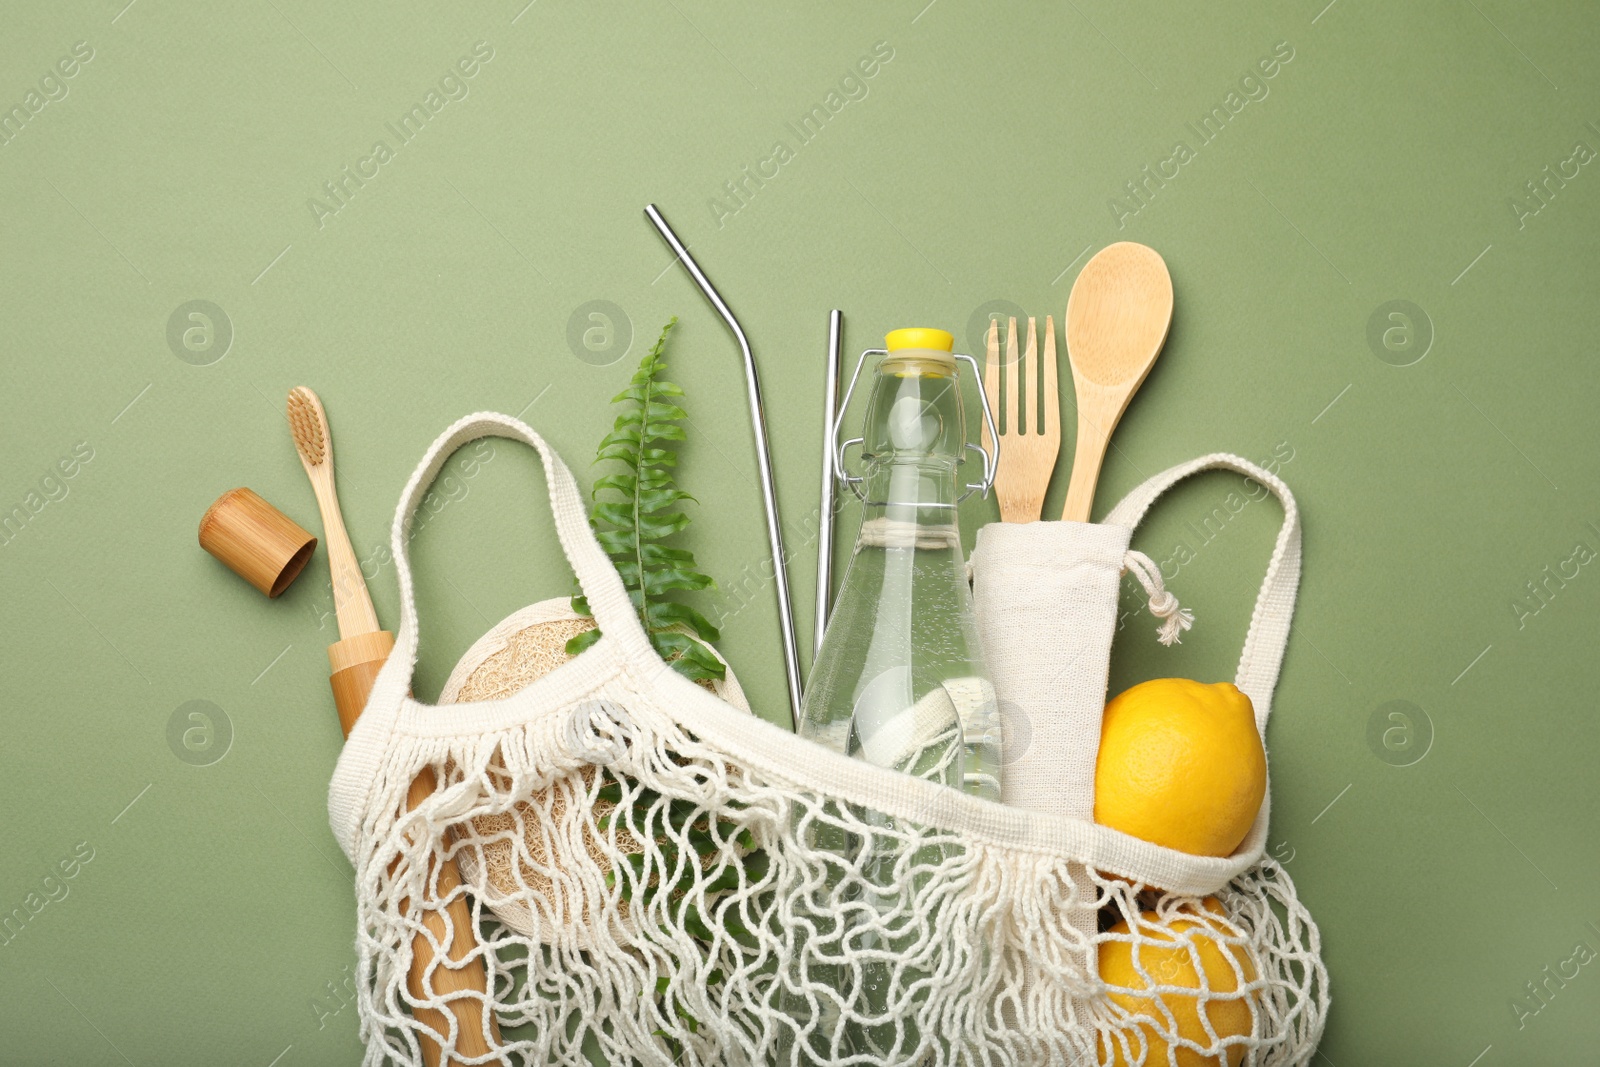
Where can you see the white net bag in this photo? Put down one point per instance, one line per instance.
(692, 885)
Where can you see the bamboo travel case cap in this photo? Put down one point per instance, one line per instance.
(258, 542)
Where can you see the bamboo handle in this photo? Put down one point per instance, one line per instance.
(1087, 458)
(454, 980)
(356, 662)
(351, 601)
(1099, 409)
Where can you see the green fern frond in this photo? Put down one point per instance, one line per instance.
(640, 510)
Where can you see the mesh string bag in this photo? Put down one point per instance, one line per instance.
(692, 885)
(524, 646)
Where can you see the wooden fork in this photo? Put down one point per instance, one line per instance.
(1028, 448)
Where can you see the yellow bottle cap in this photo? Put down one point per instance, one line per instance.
(919, 337)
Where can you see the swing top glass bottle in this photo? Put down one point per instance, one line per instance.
(899, 680)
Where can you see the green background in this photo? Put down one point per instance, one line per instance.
(1449, 860)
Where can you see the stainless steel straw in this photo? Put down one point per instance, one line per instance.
(830, 404)
(769, 494)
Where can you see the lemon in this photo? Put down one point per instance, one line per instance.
(1164, 953)
(1180, 765)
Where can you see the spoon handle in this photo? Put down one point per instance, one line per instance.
(1086, 460)
(1099, 410)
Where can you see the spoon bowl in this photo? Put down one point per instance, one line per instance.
(1117, 320)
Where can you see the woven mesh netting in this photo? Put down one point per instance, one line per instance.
(639, 893)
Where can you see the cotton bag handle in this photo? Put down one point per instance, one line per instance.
(608, 598)
(1269, 624)
(361, 758)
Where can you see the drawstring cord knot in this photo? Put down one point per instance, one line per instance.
(1163, 605)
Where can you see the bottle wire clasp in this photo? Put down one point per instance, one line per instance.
(991, 460)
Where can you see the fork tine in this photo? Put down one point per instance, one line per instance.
(991, 379)
(1013, 382)
(1030, 376)
(1052, 399)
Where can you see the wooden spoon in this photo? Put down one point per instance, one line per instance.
(1117, 320)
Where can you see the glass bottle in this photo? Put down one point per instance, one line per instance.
(900, 680)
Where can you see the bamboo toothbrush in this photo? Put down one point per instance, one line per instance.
(363, 645)
(355, 659)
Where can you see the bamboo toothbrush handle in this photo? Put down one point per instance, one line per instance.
(351, 601)
(463, 983)
(356, 662)
(461, 979)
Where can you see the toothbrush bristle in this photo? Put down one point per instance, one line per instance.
(305, 425)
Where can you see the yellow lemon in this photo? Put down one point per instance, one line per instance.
(1180, 765)
(1164, 954)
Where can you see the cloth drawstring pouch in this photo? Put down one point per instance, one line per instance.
(711, 889)
(1046, 595)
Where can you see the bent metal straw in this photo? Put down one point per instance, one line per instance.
(758, 423)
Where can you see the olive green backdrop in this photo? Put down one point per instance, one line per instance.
(1434, 746)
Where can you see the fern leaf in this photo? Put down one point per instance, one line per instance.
(655, 527)
(673, 579)
(618, 513)
(653, 500)
(579, 642)
(636, 509)
(664, 614)
(622, 483)
(657, 457)
(688, 657)
(653, 553)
